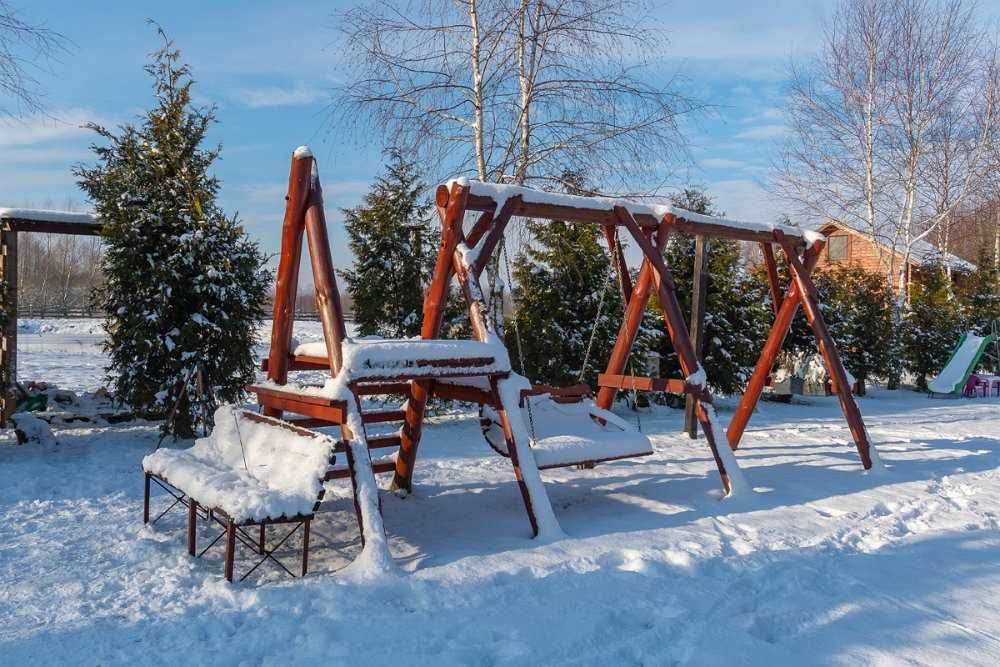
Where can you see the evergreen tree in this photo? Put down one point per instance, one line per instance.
(559, 279)
(931, 324)
(735, 316)
(184, 285)
(979, 295)
(857, 307)
(394, 247)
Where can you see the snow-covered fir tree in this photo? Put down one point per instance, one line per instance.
(559, 279)
(184, 285)
(931, 324)
(735, 316)
(857, 308)
(979, 295)
(394, 246)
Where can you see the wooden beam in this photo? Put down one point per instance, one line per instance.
(769, 354)
(53, 226)
(618, 261)
(676, 328)
(286, 283)
(331, 312)
(699, 295)
(495, 233)
(772, 276)
(828, 350)
(639, 383)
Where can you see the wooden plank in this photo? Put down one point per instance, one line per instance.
(458, 392)
(635, 382)
(494, 235)
(382, 416)
(286, 282)
(699, 295)
(330, 414)
(381, 388)
(291, 394)
(344, 473)
(331, 311)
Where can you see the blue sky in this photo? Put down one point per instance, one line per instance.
(269, 67)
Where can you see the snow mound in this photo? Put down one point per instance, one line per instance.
(32, 430)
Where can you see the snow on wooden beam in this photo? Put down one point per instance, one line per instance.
(49, 222)
(600, 210)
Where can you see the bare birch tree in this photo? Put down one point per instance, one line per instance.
(23, 46)
(514, 90)
(892, 126)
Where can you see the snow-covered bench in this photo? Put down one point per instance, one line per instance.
(251, 471)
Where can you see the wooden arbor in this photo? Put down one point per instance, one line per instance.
(12, 223)
(465, 255)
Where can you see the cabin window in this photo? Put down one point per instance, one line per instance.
(837, 248)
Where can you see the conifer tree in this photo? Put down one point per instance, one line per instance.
(857, 307)
(184, 285)
(735, 316)
(394, 247)
(559, 279)
(931, 324)
(979, 295)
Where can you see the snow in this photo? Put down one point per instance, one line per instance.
(500, 193)
(45, 215)
(31, 430)
(302, 152)
(566, 433)
(954, 375)
(382, 357)
(252, 470)
(826, 566)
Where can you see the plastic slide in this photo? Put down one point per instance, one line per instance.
(964, 359)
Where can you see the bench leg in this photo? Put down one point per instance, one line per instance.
(145, 499)
(192, 527)
(230, 549)
(305, 547)
(262, 541)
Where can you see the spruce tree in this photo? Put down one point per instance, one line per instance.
(857, 308)
(931, 324)
(735, 316)
(559, 279)
(184, 285)
(979, 295)
(394, 247)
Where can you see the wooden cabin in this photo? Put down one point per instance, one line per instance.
(846, 245)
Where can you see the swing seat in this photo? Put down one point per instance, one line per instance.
(385, 358)
(568, 434)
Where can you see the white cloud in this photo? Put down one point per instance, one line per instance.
(276, 96)
(744, 199)
(720, 163)
(46, 127)
(769, 131)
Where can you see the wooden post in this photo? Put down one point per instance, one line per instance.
(305, 547)
(145, 499)
(286, 283)
(451, 209)
(8, 345)
(699, 295)
(629, 328)
(769, 354)
(331, 312)
(828, 350)
(230, 558)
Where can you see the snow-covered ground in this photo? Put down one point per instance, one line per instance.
(823, 565)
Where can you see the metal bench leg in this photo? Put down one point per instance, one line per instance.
(145, 499)
(192, 527)
(305, 547)
(230, 549)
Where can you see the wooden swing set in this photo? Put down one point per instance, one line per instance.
(480, 371)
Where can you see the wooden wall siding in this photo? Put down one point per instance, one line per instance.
(861, 252)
